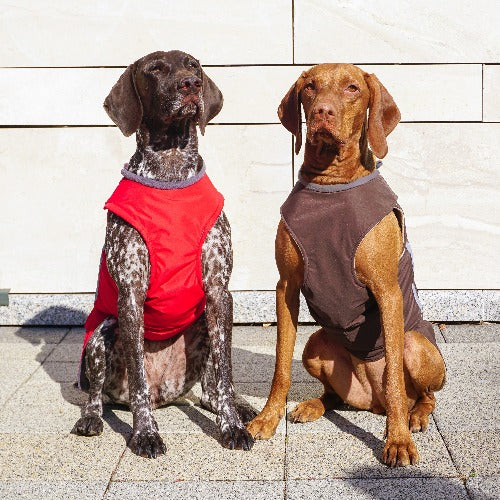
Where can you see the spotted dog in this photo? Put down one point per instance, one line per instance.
(154, 332)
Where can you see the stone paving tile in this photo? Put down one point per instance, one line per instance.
(13, 373)
(75, 336)
(67, 352)
(357, 453)
(55, 490)
(60, 371)
(257, 365)
(63, 457)
(469, 399)
(368, 489)
(474, 452)
(197, 490)
(201, 457)
(483, 333)
(59, 404)
(483, 488)
(266, 336)
(32, 335)
(26, 351)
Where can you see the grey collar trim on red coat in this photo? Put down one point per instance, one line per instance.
(334, 188)
(155, 183)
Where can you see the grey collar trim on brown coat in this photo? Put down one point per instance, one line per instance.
(334, 188)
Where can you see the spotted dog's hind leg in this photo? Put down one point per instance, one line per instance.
(90, 424)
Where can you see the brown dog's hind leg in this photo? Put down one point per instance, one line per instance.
(312, 409)
(427, 372)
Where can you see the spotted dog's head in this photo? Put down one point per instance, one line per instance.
(163, 89)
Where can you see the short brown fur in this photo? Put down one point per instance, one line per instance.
(336, 98)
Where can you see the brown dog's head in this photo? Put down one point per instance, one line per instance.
(161, 88)
(335, 98)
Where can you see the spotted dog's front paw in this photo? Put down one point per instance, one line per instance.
(246, 413)
(236, 438)
(147, 444)
(90, 425)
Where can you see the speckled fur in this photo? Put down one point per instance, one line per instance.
(119, 361)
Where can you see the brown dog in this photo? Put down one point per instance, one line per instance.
(342, 242)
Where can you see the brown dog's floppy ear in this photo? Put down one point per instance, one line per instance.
(290, 114)
(384, 115)
(212, 102)
(123, 104)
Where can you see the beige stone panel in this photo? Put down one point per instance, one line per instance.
(445, 177)
(491, 93)
(422, 92)
(93, 33)
(55, 182)
(396, 32)
(74, 96)
(251, 166)
(55, 96)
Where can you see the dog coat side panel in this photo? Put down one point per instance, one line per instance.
(328, 226)
(173, 223)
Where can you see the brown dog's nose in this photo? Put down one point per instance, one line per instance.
(189, 84)
(324, 110)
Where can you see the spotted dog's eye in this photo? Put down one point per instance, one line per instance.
(155, 68)
(352, 89)
(193, 65)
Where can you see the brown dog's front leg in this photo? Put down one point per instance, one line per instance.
(291, 271)
(399, 448)
(377, 267)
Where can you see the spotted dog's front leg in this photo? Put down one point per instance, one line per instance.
(128, 264)
(217, 262)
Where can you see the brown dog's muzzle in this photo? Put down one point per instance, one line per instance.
(322, 124)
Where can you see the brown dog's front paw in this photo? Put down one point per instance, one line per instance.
(263, 426)
(399, 453)
(90, 425)
(147, 444)
(237, 438)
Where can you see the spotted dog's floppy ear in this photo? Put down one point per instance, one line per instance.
(123, 104)
(212, 102)
(383, 116)
(290, 114)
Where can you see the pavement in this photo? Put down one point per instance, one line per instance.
(338, 456)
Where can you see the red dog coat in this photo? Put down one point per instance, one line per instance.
(174, 223)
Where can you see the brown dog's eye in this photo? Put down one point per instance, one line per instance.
(352, 88)
(309, 87)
